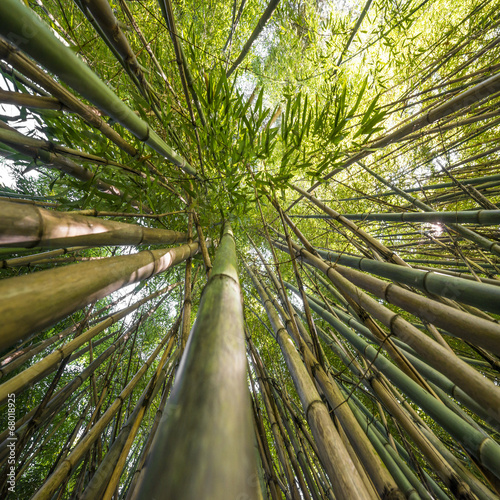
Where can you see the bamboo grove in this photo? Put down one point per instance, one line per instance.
(249, 249)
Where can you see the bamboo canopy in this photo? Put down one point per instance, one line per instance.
(249, 250)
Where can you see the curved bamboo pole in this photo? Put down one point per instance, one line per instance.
(480, 217)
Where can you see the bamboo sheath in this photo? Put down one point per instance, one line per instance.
(345, 479)
(18, 22)
(481, 295)
(204, 446)
(33, 302)
(480, 217)
(31, 226)
(14, 384)
(477, 387)
(479, 331)
(79, 451)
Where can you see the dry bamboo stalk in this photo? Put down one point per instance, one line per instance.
(30, 101)
(31, 226)
(33, 302)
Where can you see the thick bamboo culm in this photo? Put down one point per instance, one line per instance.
(31, 226)
(219, 463)
(33, 302)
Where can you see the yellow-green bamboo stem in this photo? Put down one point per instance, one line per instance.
(35, 301)
(31, 226)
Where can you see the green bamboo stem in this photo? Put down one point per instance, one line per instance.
(478, 388)
(482, 295)
(31, 259)
(345, 479)
(139, 468)
(220, 463)
(480, 217)
(45, 48)
(103, 15)
(31, 226)
(33, 302)
(477, 330)
(255, 33)
(30, 101)
(78, 453)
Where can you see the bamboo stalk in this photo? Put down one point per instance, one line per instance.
(79, 451)
(33, 302)
(480, 217)
(266, 15)
(31, 226)
(221, 464)
(44, 47)
(346, 481)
